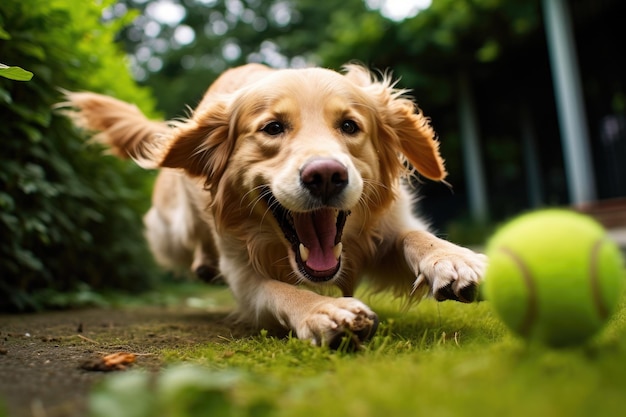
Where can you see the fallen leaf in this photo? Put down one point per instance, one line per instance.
(118, 361)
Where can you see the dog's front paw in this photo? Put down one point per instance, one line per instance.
(452, 272)
(339, 322)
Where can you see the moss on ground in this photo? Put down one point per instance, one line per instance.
(435, 359)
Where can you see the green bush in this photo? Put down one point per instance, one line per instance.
(70, 218)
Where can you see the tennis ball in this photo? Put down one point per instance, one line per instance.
(554, 276)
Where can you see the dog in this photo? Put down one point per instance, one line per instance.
(284, 182)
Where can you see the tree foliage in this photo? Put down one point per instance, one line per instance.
(425, 50)
(69, 217)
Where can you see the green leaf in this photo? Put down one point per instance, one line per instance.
(5, 96)
(4, 35)
(7, 203)
(33, 134)
(15, 73)
(34, 51)
(28, 260)
(489, 51)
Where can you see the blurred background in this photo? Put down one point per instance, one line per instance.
(528, 98)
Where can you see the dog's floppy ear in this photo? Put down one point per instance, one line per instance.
(416, 138)
(201, 145)
(402, 126)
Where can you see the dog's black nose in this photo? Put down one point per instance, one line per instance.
(324, 177)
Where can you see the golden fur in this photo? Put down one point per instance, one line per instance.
(257, 183)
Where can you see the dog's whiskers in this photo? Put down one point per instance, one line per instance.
(375, 187)
(253, 202)
(296, 277)
(270, 207)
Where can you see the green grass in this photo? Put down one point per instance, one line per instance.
(433, 359)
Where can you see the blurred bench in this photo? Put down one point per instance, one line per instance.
(611, 214)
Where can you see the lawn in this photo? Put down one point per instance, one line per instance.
(432, 359)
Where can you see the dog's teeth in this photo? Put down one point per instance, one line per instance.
(337, 250)
(304, 253)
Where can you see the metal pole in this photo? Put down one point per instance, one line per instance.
(531, 157)
(571, 111)
(474, 172)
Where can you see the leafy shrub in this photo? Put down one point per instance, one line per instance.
(69, 216)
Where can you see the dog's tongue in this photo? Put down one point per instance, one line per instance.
(317, 231)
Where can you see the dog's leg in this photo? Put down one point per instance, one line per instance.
(204, 263)
(167, 249)
(450, 271)
(322, 320)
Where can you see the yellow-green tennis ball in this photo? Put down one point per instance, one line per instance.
(554, 276)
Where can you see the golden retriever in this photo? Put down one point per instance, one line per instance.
(282, 181)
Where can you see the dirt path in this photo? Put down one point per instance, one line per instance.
(41, 355)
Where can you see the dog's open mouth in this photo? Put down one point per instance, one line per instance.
(315, 238)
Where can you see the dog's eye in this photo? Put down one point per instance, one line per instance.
(273, 128)
(349, 127)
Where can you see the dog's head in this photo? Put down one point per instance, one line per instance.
(310, 146)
